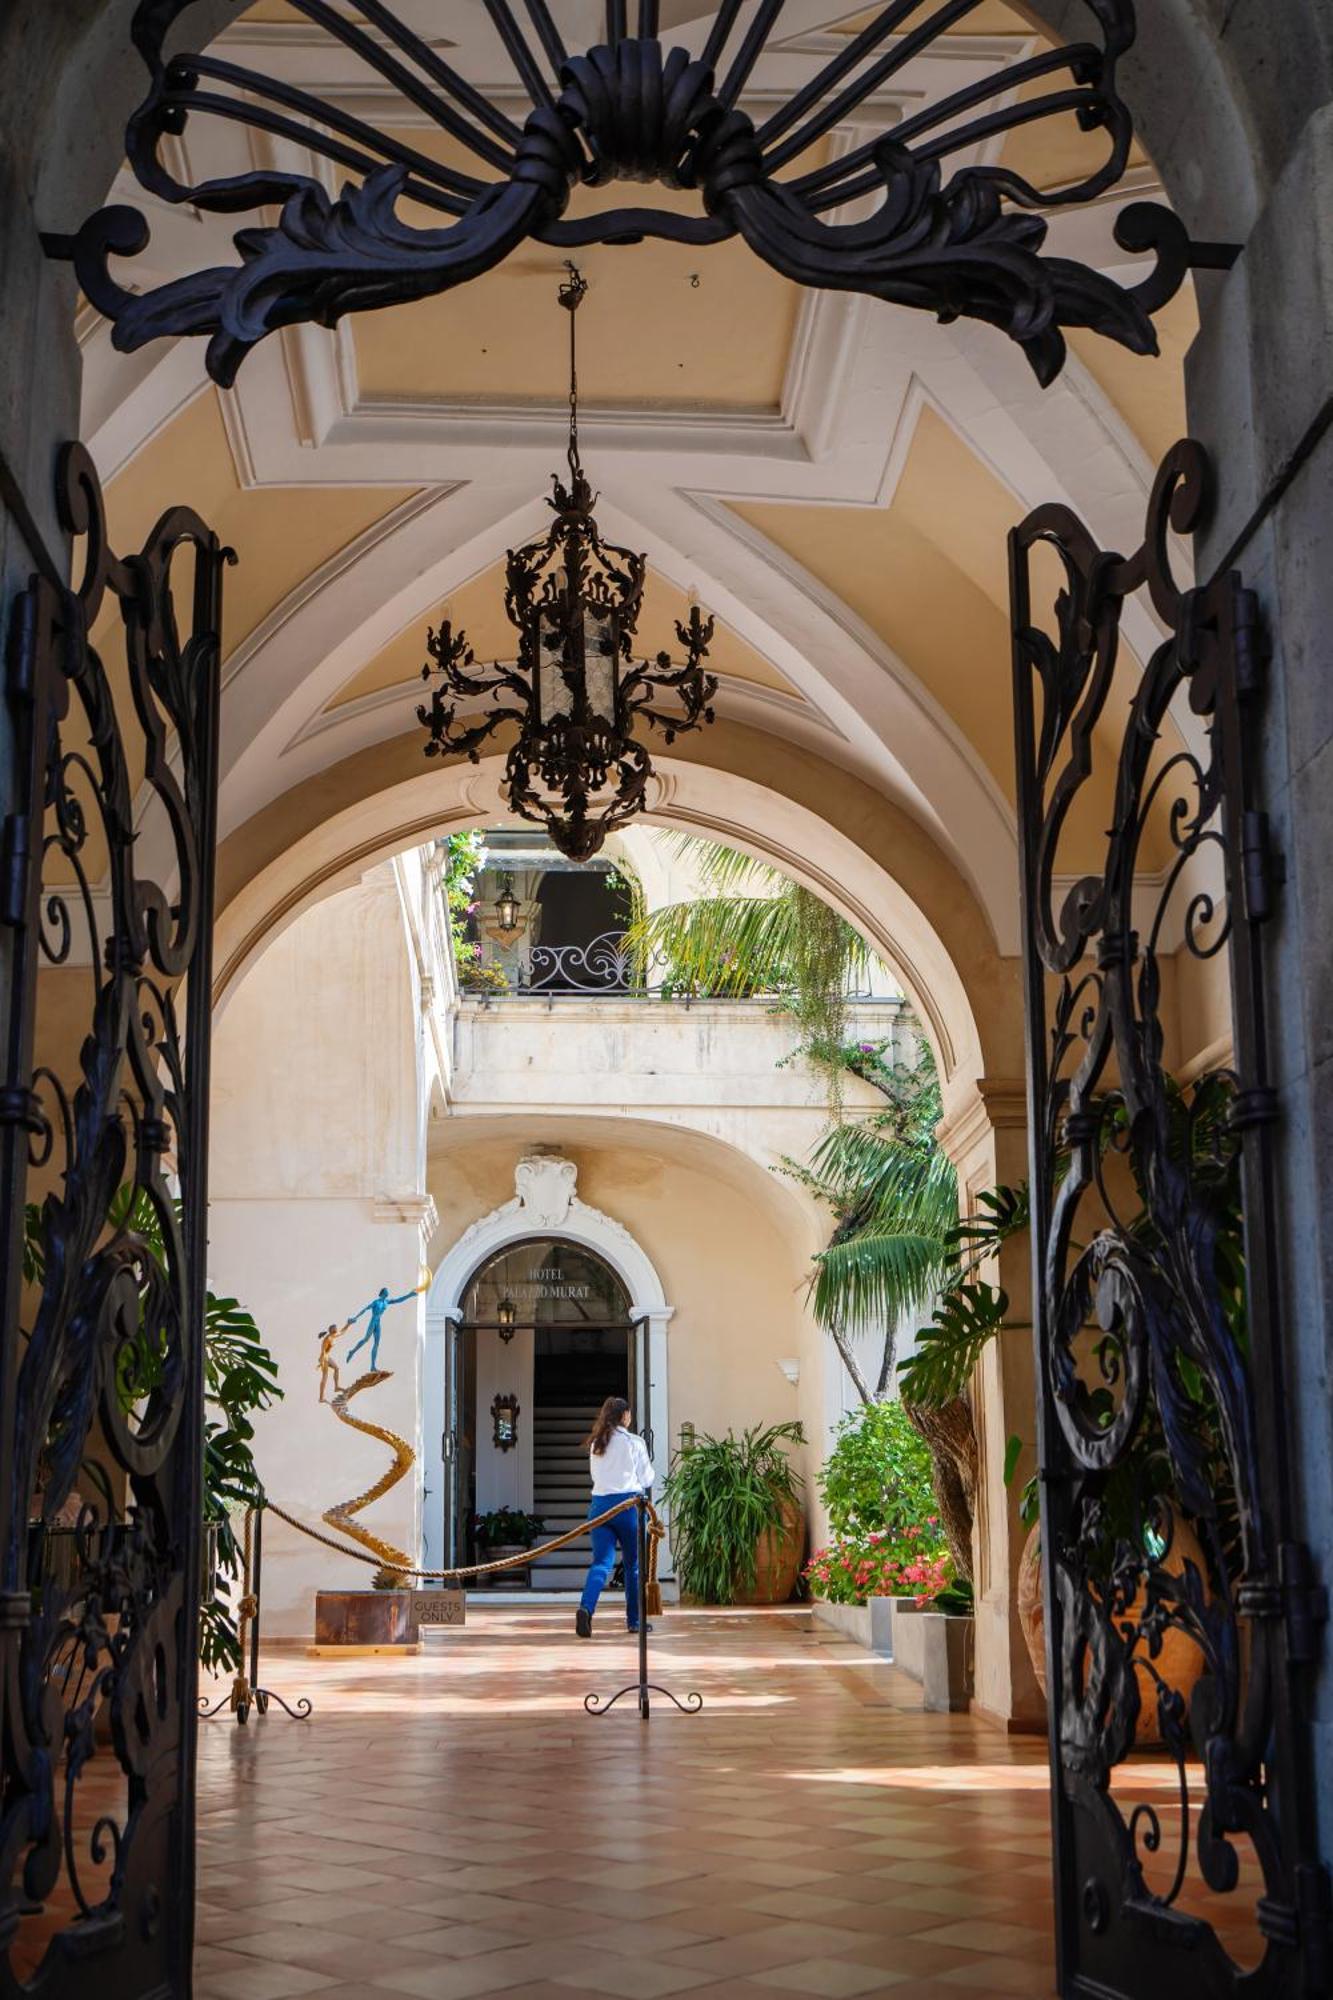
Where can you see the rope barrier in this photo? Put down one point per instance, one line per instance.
(656, 1534)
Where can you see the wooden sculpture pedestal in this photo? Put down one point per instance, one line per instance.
(352, 1623)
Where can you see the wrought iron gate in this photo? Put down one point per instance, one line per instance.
(1168, 1549)
(112, 697)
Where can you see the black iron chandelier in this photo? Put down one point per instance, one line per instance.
(575, 691)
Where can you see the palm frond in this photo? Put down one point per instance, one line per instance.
(723, 869)
(878, 1276)
(873, 1176)
(723, 944)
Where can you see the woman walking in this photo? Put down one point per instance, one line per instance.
(621, 1468)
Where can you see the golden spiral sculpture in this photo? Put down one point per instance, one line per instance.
(395, 1561)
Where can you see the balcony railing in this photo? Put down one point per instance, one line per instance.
(606, 968)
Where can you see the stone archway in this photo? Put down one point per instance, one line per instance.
(1246, 152)
(545, 1202)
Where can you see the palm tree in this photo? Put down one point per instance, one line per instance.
(894, 1196)
(892, 1191)
(755, 931)
(897, 1245)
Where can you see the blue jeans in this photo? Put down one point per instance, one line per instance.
(618, 1537)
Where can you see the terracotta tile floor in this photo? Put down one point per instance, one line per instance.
(456, 1825)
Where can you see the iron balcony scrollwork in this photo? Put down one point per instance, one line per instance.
(112, 689)
(1167, 1542)
(954, 231)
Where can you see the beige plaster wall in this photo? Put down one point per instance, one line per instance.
(314, 1205)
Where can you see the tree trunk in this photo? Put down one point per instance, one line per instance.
(952, 1438)
(851, 1364)
(887, 1359)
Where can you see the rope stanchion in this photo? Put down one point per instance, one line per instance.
(650, 1535)
(246, 1691)
(522, 1560)
(643, 1688)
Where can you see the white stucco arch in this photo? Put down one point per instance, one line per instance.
(545, 1203)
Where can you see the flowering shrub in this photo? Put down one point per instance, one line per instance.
(880, 1564)
(877, 1475)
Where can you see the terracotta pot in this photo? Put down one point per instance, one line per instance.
(777, 1560)
(508, 1579)
(1180, 1662)
(1031, 1607)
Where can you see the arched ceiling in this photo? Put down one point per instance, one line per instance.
(834, 477)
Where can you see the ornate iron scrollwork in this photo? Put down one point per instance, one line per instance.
(954, 232)
(1167, 1543)
(101, 1365)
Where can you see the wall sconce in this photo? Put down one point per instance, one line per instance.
(792, 1371)
(686, 1438)
(504, 1418)
(506, 1314)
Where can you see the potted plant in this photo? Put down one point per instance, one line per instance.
(737, 1523)
(506, 1531)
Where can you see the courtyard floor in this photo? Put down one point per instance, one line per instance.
(457, 1825)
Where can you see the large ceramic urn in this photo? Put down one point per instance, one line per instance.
(777, 1559)
(1179, 1663)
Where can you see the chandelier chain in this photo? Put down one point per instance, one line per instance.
(570, 296)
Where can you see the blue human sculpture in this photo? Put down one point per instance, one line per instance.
(377, 1308)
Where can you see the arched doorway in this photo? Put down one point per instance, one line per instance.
(545, 1336)
(550, 1302)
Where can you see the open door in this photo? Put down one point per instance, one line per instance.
(455, 1448)
(641, 1386)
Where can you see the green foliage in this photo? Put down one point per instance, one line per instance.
(893, 1193)
(723, 1493)
(755, 931)
(877, 1476)
(476, 977)
(463, 856)
(957, 1598)
(506, 1527)
(967, 1318)
(240, 1377)
(970, 1312)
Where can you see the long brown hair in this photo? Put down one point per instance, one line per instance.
(609, 1419)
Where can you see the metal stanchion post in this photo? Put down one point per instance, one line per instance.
(246, 1690)
(643, 1686)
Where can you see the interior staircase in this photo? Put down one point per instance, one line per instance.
(560, 1489)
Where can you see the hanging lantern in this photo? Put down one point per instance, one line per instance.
(506, 905)
(506, 1314)
(576, 690)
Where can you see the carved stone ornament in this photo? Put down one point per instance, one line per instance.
(544, 1185)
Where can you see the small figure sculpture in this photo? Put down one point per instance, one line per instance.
(326, 1364)
(377, 1308)
(396, 1564)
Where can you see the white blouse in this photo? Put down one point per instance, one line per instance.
(624, 1467)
